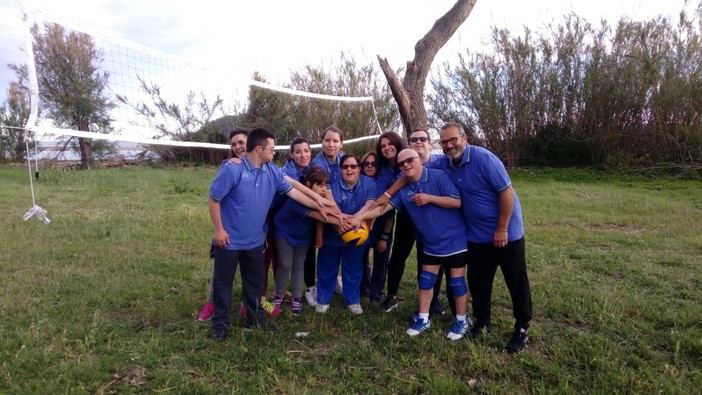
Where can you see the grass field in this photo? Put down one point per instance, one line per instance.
(104, 299)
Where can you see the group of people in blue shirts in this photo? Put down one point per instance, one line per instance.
(459, 207)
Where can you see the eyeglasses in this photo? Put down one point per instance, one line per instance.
(452, 140)
(347, 167)
(420, 139)
(407, 161)
(369, 164)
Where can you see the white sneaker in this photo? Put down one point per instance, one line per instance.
(356, 309)
(321, 308)
(339, 286)
(311, 296)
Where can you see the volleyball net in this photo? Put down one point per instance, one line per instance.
(150, 98)
(155, 98)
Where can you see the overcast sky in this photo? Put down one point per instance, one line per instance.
(274, 36)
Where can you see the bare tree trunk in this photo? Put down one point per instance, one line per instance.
(409, 94)
(86, 153)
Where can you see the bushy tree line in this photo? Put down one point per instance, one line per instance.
(582, 94)
(293, 115)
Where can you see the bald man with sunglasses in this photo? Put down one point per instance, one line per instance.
(432, 201)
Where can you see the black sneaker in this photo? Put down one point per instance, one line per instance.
(436, 308)
(219, 335)
(389, 303)
(518, 342)
(478, 331)
(262, 325)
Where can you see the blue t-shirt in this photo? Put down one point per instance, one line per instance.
(245, 193)
(349, 200)
(333, 169)
(442, 230)
(480, 178)
(292, 223)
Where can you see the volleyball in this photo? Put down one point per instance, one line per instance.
(356, 236)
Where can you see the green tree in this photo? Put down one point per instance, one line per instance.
(71, 86)
(13, 117)
(182, 122)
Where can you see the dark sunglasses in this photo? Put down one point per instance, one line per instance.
(346, 167)
(421, 139)
(407, 161)
(367, 164)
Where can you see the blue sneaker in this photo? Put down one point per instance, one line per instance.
(458, 330)
(418, 327)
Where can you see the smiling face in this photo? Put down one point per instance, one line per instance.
(410, 164)
(388, 150)
(301, 155)
(350, 171)
(331, 145)
(419, 141)
(453, 142)
(238, 144)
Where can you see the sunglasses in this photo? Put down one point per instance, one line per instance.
(452, 141)
(420, 139)
(369, 164)
(347, 167)
(407, 161)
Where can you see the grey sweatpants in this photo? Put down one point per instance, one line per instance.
(291, 264)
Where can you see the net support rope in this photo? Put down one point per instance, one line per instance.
(35, 210)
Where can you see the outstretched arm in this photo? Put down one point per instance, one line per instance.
(384, 199)
(321, 201)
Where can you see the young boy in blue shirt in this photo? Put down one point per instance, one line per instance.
(239, 199)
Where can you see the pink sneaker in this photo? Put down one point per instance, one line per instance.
(270, 309)
(207, 311)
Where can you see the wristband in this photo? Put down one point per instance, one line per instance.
(501, 230)
(387, 194)
(385, 236)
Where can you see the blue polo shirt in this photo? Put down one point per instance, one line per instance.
(349, 200)
(244, 193)
(480, 178)
(292, 224)
(442, 230)
(387, 175)
(333, 169)
(291, 170)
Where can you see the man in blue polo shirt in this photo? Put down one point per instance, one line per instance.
(432, 201)
(492, 211)
(239, 199)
